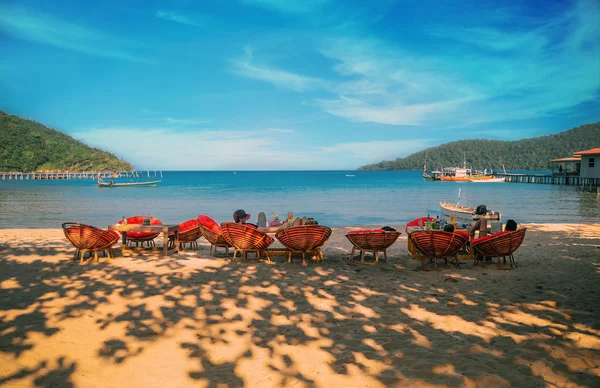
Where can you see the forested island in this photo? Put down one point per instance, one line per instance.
(26, 145)
(527, 154)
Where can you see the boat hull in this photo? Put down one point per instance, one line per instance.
(128, 184)
(465, 213)
(492, 180)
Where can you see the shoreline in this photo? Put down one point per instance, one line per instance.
(190, 319)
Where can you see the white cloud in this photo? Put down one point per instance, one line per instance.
(365, 151)
(259, 149)
(281, 78)
(170, 120)
(46, 29)
(178, 17)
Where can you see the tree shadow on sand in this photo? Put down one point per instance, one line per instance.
(276, 325)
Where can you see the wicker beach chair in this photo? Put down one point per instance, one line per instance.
(501, 244)
(376, 240)
(213, 234)
(189, 233)
(246, 238)
(139, 238)
(87, 238)
(304, 239)
(437, 244)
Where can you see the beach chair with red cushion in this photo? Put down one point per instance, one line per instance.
(139, 238)
(189, 233)
(371, 240)
(501, 244)
(437, 244)
(417, 223)
(87, 238)
(303, 239)
(213, 234)
(246, 238)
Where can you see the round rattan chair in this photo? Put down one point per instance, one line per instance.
(502, 244)
(246, 238)
(87, 238)
(304, 239)
(375, 241)
(437, 244)
(189, 233)
(213, 234)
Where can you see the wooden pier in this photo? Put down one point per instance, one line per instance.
(554, 179)
(74, 175)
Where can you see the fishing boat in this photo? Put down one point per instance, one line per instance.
(465, 213)
(103, 183)
(431, 176)
(491, 180)
(464, 174)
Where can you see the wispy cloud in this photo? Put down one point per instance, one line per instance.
(171, 120)
(35, 26)
(288, 6)
(179, 17)
(281, 78)
(154, 147)
(150, 111)
(384, 149)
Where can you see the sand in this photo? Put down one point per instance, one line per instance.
(193, 320)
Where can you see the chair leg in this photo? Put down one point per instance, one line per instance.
(96, 256)
(304, 263)
(376, 254)
(81, 256)
(234, 255)
(352, 254)
(362, 257)
(512, 261)
(385, 255)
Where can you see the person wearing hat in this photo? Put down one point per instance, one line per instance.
(241, 217)
(481, 224)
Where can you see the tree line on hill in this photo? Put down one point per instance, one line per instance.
(527, 154)
(26, 145)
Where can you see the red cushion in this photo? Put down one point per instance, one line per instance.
(489, 236)
(137, 220)
(416, 222)
(209, 223)
(188, 225)
(364, 231)
(463, 233)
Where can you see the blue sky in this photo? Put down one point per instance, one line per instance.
(312, 84)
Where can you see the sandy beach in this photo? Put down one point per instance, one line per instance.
(195, 320)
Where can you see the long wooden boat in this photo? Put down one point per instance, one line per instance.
(465, 213)
(460, 174)
(491, 180)
(102, 183)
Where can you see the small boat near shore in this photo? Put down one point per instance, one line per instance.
(465, 213)
(103, 183)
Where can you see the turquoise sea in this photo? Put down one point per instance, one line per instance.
(332, 197)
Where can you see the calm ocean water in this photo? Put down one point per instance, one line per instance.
(332, 197)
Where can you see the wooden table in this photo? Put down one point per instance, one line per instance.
(164, 229)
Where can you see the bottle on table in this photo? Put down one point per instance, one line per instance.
(124, 221)
(428, 223)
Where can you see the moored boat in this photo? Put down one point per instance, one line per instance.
(491, 180)
(103, 183)
(465, 213)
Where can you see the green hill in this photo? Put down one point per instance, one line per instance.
(26, 146)
(526, 154)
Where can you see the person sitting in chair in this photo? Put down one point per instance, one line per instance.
(481, 224)
(240, 217)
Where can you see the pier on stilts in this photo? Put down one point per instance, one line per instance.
(74, 175)
(590, 184)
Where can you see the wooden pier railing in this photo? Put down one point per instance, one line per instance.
(75, 175)
(554, 179)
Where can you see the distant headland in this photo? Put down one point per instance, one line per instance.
(26, 145)
(526, 154)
